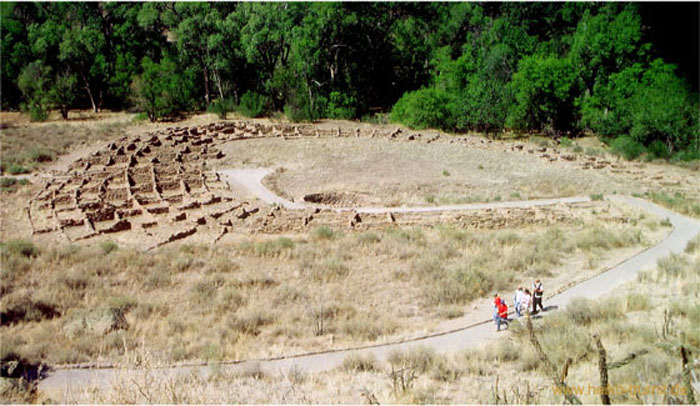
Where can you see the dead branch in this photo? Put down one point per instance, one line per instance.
(686, 376)
(551, 369)
(629, 358)
(565, 369)
(603, 370)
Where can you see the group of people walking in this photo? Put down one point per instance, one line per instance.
(523, 300)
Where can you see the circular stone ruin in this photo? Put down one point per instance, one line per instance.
(156, 188)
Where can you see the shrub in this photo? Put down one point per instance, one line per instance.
(108, 246)
(637, 301)
(323, 233)
(686, 155)
(38, 113)
(252, 104)
(221, 107)
(461, 284)
(204, 291)
(8, 184)
(368, 238)
(222, 264)
(269, 248)
(123, 303)
(451, 312)
(331, 269)
(584, 312)
(364, 327)
(424, 108)
(566, 142)
(627, 147)
(40, 155)
(22, 248)
(677, 202)
(414, 235)
(693, 245)
(156, 279)
(16, 169)
(419, 358)
(658, 149)
(540, 141)
(355, 363)
(674, 266)
(249, 322)
(231, 299)
(377, 119)
(341, 106)
(25, 309)
(139, 117)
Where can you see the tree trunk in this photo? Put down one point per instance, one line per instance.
(217, 78)
(685, 373)
(550, 368)
(64, 112)
(603, 370)
(89, 92)
(99, 103)
(206, 85)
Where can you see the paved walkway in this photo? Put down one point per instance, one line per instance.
(251, 179)
(684, 229)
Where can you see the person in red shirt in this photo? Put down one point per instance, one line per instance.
(496, 301)
(502, 315)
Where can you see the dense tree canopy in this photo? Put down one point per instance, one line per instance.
(552, 68)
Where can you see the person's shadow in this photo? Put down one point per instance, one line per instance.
(538, 314)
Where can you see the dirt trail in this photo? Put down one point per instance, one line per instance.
(251, 179)
(62, 381)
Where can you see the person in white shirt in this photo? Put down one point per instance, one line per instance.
(517, 301)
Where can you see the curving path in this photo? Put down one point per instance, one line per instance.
(62, 381)
(251, 179)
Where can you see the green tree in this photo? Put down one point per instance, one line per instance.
(544, 91)
(424, 108)
(606, 43)
(203, 37)
(663, 108)
(62, 92)
(33, 81)
(608, 110)
(15, 52)
(266, 31)
(162, 90)
(82, 47)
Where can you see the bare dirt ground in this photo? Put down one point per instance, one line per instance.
(396, 172)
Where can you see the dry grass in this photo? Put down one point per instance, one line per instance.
(26, 147)
(501, 372)
(197, 302)
(506, 371)
(29, 146)
(677, 202)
